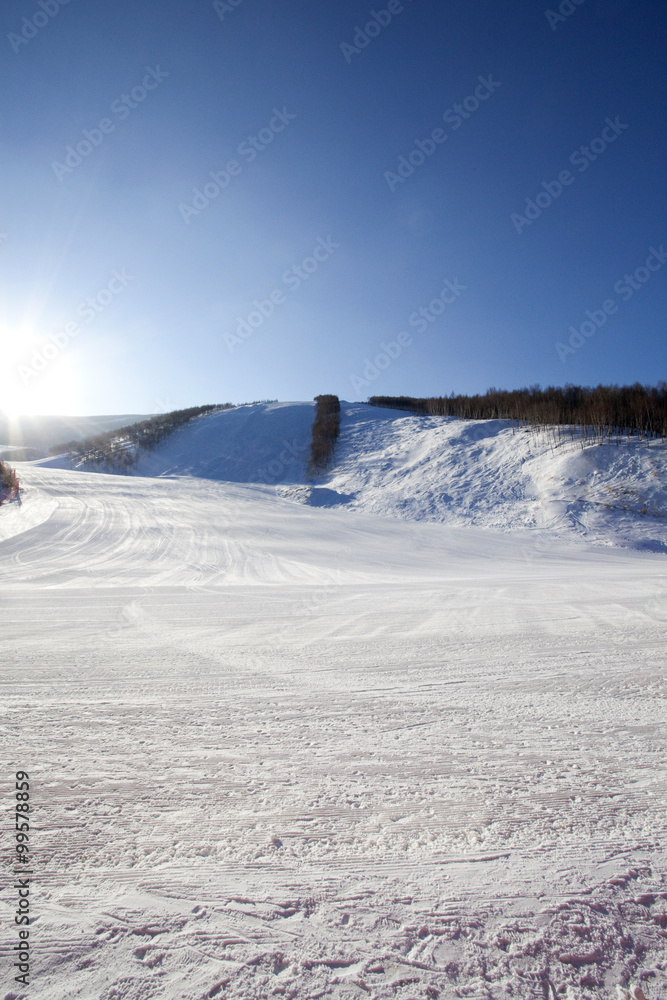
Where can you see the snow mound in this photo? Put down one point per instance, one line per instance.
(490, 474)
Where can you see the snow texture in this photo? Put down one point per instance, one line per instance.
(395, 733)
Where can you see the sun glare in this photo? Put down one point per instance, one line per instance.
(32, 383)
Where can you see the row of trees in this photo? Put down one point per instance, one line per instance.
(9, 483)
(120, 449)
(326, 428)
(600, 412)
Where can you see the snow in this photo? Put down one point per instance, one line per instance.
(265, 442)
(482, 473)
(488, 474)
(395, 733)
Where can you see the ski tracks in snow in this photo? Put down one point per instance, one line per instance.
(284, 752)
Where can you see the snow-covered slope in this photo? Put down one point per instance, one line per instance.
(283, 751)
(483, 473)
(259, 443)
(78, 529)
(488, 474)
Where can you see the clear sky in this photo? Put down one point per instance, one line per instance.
(253, 199)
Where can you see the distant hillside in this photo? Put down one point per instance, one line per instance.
(265, 443)
(601, 412)
(119, 450)
(41, 433)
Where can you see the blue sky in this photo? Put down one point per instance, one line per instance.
(369, 229)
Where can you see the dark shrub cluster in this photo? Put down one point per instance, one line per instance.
(326, 428)
(120, 449)
(9, 482)
(601, 412)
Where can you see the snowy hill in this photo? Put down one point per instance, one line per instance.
(258, 443)
(488, 474)
(484, 473)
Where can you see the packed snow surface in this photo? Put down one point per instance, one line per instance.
(398, 732)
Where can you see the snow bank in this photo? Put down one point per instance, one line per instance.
(490, 475)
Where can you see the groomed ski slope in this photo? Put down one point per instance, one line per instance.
(301, 749)
(484, 473)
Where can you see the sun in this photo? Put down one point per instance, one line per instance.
(35, 377)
